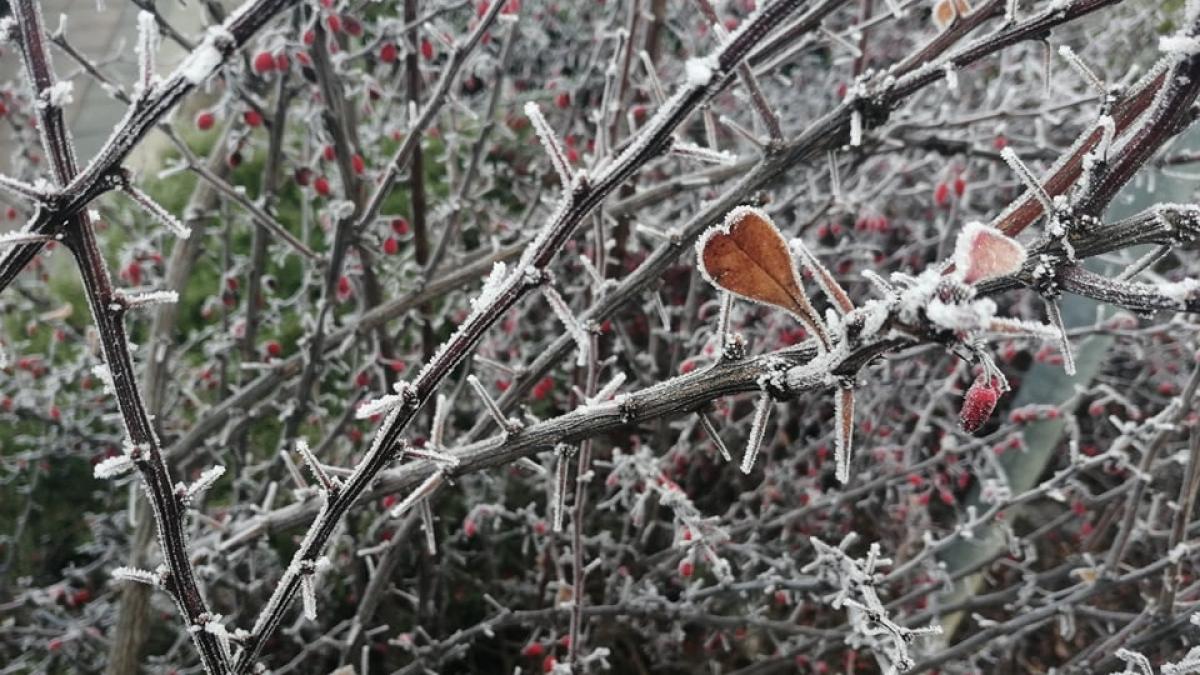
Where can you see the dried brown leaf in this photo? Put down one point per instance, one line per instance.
(748, 256)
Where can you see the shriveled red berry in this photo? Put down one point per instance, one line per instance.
(979, 402)
(400, 226)
(388, 53)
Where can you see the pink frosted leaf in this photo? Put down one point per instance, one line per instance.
(983, 253)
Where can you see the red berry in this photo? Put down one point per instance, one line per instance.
(309, 37)
(282, 62)
(274, 349)
(979, 402)
(252, 118)
(334, 23)
(400, 226)
(303, 176)
(533, 650)
(264, 62)
(343, 286)
(543, 388)
(133, 273)
(357, 162)
(353, 26)
(205, 120)
(548, 664)
(960, 186)
(363, 379)
(329, 153)
(321, 185)
(391, 246)
(470, 528)
(563, 100)
(427, 49)
(388, 53)
(686, 569)
(941, 194)
(511, 7)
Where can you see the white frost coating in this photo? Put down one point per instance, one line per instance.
(206, 480)
(308, 593)
(1180, 292)
(423, 490)
(699, 71)
(856, 129)
(711, 156)
(18, 238)
(206, 57)
(158, 212)
(133, 574)
(112, 467)
(611, 388)
(150, 298)
(61, 94)
(103, 374)
(951, 76)
(147, 49)
(549, 142)
(570, 323)
(1179, 45)
(385, 403)
(8, 26)
(969, 316)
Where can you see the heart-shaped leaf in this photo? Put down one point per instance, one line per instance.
(983, 252)
(748, 256)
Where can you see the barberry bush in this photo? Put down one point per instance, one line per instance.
(636, 336)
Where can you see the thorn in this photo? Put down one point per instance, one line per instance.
(1055, 315)
(707, 424)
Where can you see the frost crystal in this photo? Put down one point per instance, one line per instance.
(699, 71)
(112, 467)
(135, 575)
(206, 57)
(61, 94)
